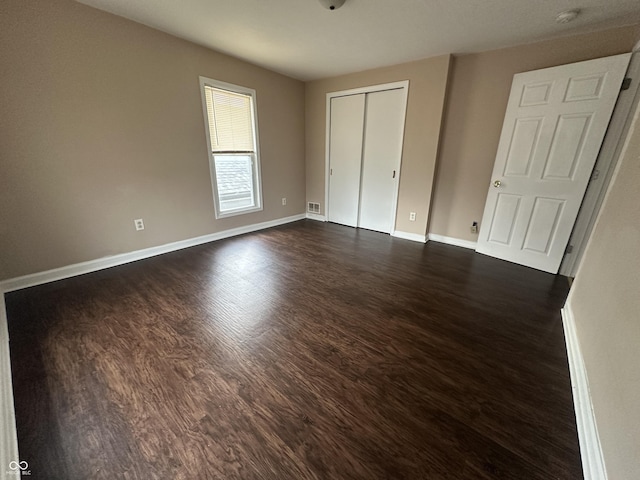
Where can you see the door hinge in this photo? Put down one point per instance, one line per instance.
(595, 175)
(569, 249)
(626, 83)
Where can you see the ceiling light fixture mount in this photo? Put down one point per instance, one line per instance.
(567, 16)
(332, 4)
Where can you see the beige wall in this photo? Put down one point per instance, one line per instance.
(605, 302)
(477, 100)
(427, 87)
(101, 123)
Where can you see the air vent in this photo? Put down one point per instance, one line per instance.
(313, 207)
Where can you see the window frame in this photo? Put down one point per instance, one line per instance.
(255, 155)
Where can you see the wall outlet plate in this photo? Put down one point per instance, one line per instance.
(139, 224)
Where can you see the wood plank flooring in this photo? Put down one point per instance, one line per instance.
(307, 351)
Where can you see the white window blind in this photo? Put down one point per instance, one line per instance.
(230, 120)
(234, 160)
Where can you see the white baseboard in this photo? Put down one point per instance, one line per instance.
(115, 260)
(452, 241)
(8, 434)
(315, 216)
(590, 449)
(415, 237)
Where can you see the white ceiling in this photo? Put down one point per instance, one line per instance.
(302, 39)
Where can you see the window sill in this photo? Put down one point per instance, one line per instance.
(240, 211)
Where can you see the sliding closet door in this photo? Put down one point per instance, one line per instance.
(384, 131)
(345, 158)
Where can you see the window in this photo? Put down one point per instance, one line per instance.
(232, 139)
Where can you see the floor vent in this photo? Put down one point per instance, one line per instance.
(313, 207)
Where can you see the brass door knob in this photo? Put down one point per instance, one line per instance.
(497, 183)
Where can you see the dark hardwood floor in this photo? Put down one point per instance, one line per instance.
(305, 351)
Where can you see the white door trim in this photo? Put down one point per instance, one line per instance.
(605, 165)
(404, 84)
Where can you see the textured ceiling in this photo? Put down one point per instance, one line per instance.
(301, 39)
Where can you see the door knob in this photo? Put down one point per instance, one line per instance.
(497, 183)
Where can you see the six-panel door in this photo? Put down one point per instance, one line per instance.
(555, 122)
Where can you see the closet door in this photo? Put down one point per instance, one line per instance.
(345, 158)
(383, 136)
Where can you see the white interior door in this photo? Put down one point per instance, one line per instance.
(383, 136)
(345, 154)
(554, 125)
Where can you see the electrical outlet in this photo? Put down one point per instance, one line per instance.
(284, 200)
(412, 216)
(474, 227)
(139, 224)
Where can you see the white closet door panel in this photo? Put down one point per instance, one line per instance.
(345, 158)
(384, 131)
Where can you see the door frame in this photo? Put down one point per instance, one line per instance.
(606, 162)
(404, 85)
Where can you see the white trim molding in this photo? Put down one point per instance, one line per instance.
(415, 237)
(8, 433)
(115, 260)
(315, 216)
(593, 465)
(458, 242)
